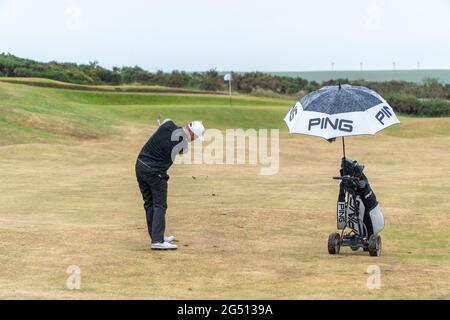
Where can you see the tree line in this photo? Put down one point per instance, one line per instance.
(427, 98)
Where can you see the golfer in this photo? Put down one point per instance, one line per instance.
(152, 164)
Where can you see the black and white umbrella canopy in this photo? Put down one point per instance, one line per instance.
(339, 111)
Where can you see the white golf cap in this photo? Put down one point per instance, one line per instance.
(198, 129)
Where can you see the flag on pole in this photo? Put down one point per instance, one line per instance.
(227, 77)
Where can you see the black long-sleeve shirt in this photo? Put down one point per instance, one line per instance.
(160, 150)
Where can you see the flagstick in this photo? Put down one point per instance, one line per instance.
(229, 87)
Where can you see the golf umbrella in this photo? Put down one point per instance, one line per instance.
(340, 111)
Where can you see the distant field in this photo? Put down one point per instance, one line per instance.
(69, 197)
(416, 76)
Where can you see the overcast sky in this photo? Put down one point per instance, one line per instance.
(240, 35)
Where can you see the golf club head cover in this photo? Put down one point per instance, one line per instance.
(351, 168)
(362, 183)
(364, 190)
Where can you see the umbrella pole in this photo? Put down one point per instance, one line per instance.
(343, 146)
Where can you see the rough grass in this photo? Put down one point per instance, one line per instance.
(241, 235)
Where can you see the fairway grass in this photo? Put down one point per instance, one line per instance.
(69, 198)
(34, 114)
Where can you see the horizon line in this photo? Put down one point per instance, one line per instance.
(229, 70)
(344, 70)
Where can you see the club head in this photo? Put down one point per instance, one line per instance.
(351, 167)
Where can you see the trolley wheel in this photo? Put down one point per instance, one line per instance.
(334, 243)
(375, 245)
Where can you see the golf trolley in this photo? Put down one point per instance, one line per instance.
(337, 112)
(359, 216)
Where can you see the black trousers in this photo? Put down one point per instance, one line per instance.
(153, 187)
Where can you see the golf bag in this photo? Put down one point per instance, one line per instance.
(357, 205)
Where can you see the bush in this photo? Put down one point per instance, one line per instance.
(177, 79)
(210, 81)
(409, 104)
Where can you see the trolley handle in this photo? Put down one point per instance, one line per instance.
(346, 178)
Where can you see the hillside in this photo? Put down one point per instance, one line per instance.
(36, 114)
(49, 83)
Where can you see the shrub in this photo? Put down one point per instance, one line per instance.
(409, 104)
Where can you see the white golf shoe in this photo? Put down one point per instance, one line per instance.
(169, 238)
(164, 246)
